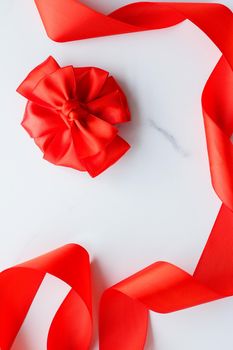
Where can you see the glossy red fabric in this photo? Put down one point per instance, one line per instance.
(72, 326)
(72, 115)
(161, 287)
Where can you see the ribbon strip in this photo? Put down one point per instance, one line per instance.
(161, 287)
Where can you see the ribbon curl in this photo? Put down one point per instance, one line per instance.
(71, 327)
(161, 287)
(72, 115)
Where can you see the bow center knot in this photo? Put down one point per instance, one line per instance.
(73, 110)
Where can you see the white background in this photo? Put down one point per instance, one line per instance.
(155, 203)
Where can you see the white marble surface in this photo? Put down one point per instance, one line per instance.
(155, 203)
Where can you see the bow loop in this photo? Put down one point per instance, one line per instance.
(53, 90)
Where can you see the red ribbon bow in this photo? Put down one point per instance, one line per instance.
(72, 115)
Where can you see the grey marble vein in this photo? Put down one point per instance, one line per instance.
(169, 137)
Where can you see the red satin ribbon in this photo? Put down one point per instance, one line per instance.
(161, 287)
(72, 115)
(71, 327)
